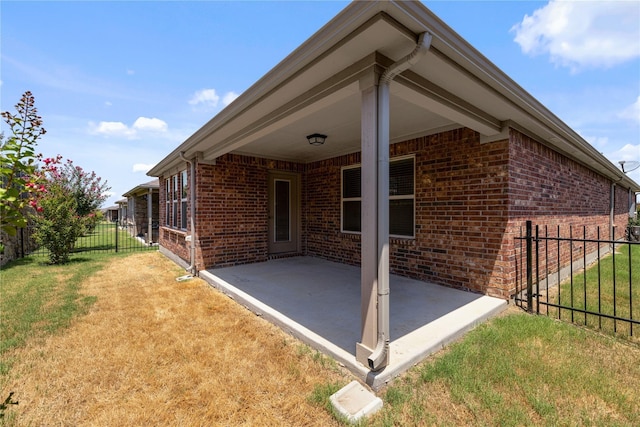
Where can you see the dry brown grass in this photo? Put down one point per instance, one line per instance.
(153, 351)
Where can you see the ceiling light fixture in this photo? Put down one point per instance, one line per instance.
(316, 139)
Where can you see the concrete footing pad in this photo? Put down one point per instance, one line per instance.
(354, 402)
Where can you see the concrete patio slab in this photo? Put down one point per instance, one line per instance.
(318, 302)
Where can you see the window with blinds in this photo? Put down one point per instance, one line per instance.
(174, 201)
(351, 199)
(401, 198)
(183, 200)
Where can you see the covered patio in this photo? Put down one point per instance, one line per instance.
(318, 302)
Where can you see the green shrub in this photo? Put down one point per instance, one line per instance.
(57, 224)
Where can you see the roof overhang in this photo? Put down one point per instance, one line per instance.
(141, 189)
(317, 89)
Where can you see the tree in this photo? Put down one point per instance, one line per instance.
(57, 225)
(86, 187)
(66, 208)
(18, 164)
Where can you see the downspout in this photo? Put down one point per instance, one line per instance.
(192, 202)
(378, 359)
(612, 207)
(150, 217)
(612, 202)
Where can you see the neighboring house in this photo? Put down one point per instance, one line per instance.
(122, 210)
(111, 213)
(140, 211)
(471, 156)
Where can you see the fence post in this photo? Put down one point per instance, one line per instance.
(22, 243)
(538, 269)
(116, 228)
(529, 238)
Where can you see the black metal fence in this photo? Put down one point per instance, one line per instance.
(578, 276)
(105, 237)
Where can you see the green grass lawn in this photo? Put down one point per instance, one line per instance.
(521, 370)
(609, 290)
(103, 238)
(37, 299)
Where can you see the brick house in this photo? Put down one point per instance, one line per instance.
(111, 213)
(459, 153)
(140, 211)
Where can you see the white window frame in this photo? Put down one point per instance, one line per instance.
(184, 182)
(348, 199)
(167, 202)
(174, 200)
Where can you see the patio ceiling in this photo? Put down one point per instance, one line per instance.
(324, 96)
(340, 121)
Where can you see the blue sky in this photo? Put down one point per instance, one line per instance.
(120, 84)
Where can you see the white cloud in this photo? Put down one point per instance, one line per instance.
(582, 34)
(150, 124)
(142, 125)
(112, 129)
(229, 97)
(207, 97)
(142, 167)
(131, 72)
(632, 112)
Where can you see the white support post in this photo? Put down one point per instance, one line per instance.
(369, 220)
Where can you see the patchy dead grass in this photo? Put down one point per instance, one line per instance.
(153, 351)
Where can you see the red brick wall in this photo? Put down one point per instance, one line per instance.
(563, 198)
(471, 200)
(232, 209)
(460, 202)
(621, 218)
(323, 236)
(462, 208)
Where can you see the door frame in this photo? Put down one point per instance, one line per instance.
(293, 245)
